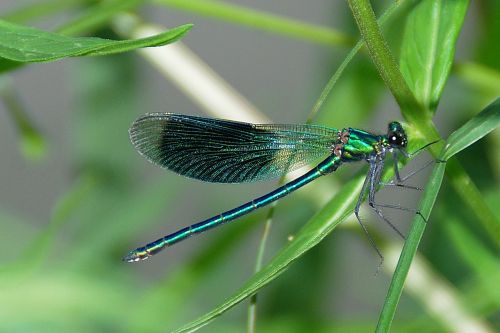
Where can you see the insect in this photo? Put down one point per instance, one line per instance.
(224, 151)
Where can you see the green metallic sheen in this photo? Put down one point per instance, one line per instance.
(360, 145)
(228, 151)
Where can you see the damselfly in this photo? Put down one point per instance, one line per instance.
(224, 151)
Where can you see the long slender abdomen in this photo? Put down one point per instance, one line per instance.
(330, 164)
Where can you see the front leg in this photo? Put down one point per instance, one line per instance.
(400, 180)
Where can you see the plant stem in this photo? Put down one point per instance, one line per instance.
(382, 56)
(416, 114)
(252, 308)
(333, 80)
(386, 64)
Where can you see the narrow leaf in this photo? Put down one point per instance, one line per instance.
(477, 127)
(428, 47)
(485, 122)
(26, 44)
(261, 20)
(341, 206)
(388, 69)
(410, 249)
(472, 251)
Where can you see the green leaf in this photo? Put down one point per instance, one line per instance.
(410, 248)
(473, 252)
(335, 211)
(416, 113)
(428, 47)
(325, 93)
(477, 127)
(386, 65)
(31, 140)
(262, 21)
(26, 44)
(473, 130)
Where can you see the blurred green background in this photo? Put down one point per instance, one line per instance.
(75, 196)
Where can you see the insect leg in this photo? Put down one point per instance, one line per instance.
(374, 180)
(366, 185)
(400, 180)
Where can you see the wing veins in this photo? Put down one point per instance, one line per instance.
(227, 151)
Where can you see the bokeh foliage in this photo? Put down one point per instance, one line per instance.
(65, 274)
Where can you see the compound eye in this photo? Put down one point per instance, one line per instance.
(396, 140)
(393, 139)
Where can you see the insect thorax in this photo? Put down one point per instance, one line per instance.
(360, 145)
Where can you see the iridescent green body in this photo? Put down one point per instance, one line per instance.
(361, 144)
(228, 151)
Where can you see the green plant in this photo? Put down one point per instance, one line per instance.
(86, 288)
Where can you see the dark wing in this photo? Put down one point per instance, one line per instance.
(224, 151)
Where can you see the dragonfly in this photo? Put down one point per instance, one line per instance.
(226, 151)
